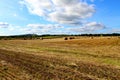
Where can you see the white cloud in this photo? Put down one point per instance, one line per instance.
(95, 25)
(114, 30)
(89, 27)
(4, 25)
(38, 7)
(9, 27)
(41, 28)
(60, 11)
(46, 26)
(69, 12)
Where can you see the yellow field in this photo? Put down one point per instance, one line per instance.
(58, 59)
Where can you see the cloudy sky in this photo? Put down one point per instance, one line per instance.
(59, 16)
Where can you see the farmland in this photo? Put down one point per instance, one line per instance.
(83, 58)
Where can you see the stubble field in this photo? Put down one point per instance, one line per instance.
(58, 59)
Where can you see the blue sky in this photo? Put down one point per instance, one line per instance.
(59, 16)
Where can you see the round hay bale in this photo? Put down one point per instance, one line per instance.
(65, 38)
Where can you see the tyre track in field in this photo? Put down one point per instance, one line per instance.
(8, 75)
(40, 65)
(22, 61)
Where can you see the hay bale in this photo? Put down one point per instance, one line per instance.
(41, 38)
(71, 38)
(24, 39)
(65, 38)
(92, 37)
(108, 38)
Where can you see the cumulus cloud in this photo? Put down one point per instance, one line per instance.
(41, 28)
(95, 25)
(114, 30)
(68, 12)
(30, 28)
(46, 26)
(60, 11)
(4, 25)
(37, 7)
(89, 27)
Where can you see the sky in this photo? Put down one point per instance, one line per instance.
(59, 16)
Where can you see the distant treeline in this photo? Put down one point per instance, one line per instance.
(49, 36)
(113, 34)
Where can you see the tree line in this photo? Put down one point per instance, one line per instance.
(49, 36)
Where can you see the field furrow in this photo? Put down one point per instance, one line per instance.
(79, 59)
(49, 67)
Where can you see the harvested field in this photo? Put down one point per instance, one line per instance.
(59, 59)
